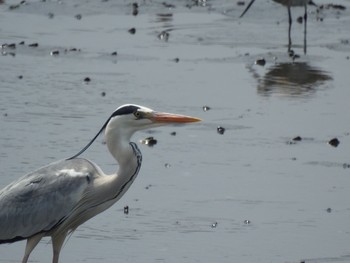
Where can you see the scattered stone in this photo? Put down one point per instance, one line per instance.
(346, 165)
(55, 53)
(167, 165)
(173, 133)
(334, 142)
(260, 62)
(170, 6)
(206, 108)
(329, 210)
(21, 43)
(214, 225)
(220, 130)
(78, 16)
(176, 60)
(132, 30)
(20, 77)
(300, 19)
(297, 139)
(240, 3)
(33, 45)
(103, 94)
(164, 35)
(126, 209)
(87, 80)
(247, 222)
(114, 53)
(150, 141)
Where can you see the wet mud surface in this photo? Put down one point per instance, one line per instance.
(264, 177)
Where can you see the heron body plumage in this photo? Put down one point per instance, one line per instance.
(55, 199)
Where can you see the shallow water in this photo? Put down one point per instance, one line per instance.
(188, 182)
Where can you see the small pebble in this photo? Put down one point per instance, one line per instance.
(260, 62)
(78, 16)
(176, 60)
(206, 108)
(150, 141)
(33, 45)
(247, 222)
(126, 209)
(173, 133)
(87, 80)
(114, 53)
(220, 130)
(21, 43)
(297, 139)
(167, 165)
(213, 225)
(329, 210)
(163, 36)
(334, 142)
(20, 77)
(54, 53)
(103, 94)
(132, 30)
(300, 19)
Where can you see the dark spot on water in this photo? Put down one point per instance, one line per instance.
(206, 108)
(55, 53)
(329, 210)
(167, 165)
(126, 209)
(300, 19)
(87, 80)
(20, 77)
(173, 133)
(297, 139)
(247, 222)
(132, 30)
(176, 60)
(33, 45)
(21, 43)
(260, 62)
(164, 35)
(291, 53)
(240, 3)
(51, 15)
(334, 6)
(346, 165)
(220, 130)
(5, 114)
(114, 53)
(148, 186)
(103, 94)
(88, 179)
(214, 225)
(150, 141)
(78, 16)
(334, 142)
(168, 5)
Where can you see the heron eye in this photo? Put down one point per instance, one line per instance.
(138, 115)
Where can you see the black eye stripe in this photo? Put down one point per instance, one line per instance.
(125, 110)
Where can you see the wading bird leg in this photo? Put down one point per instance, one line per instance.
(57, 242)
(305, 21)
(31, 244)
(289, 29)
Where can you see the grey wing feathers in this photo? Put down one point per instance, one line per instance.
(39, 201)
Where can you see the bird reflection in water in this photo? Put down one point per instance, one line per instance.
(297, 79)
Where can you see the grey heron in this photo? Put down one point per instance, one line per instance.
(55, 199)
(288, 4)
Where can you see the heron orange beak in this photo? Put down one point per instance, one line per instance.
(163, 117)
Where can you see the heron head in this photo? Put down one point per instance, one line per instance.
(132, 118)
